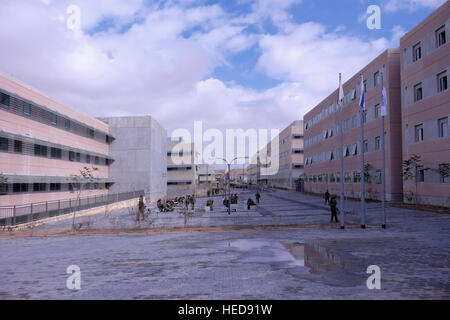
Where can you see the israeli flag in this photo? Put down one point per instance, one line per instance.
(362, 99)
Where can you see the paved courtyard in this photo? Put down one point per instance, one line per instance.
(306, 257)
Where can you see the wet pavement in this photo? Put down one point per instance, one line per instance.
(413, 255)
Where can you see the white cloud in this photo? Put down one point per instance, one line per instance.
(155, 68)
(310, 55)
(411, 5)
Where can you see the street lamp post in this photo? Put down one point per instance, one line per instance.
(228, 178)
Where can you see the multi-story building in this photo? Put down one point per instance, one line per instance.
(322, 164)
(43, 143)
(206, 174)
(182, 168)
(238, 175)
(290, 159)
(425, 66)
(140, 153)
(291, 154)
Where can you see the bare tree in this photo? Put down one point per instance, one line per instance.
(411, 168)
(444, 171)
(85, 176)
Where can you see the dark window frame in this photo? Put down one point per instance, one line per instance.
(4, 144)
(5, 100)
(18, 146)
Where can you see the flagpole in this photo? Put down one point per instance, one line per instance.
(383, 152)
(363, 183)
(341, 141)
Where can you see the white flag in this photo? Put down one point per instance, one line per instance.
(340, 100)
(383, 102)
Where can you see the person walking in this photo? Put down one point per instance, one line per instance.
(193, 201)
(250, 203)
(258, 196)
(333, 208)
(141, 207)
(327, 197)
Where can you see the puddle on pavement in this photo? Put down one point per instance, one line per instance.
(318, 260)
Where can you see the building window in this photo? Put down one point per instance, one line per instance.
(26, 109)
(356, 177)
(442, 81)
(3, 188)
(56, 153)
(78, 157)
(107, 162)
(54, 119)
(17, 146)
(440, 37)
(347, 177)
(40, 151)
(417, 52)
(418, 133)
(366, 146)
(4, 100)
(55, 186)
(107, 139)
(39, 187)
(3, 144)
(418, 92)
(378, 176)
(90, 132)
(20, 187)
(376, 78)
(420, 176)
(97, 160)
(443, 127)
(377, 143)
(67, 124)
(88, 158)
(365, 85)
(377, 111)
(71, 156)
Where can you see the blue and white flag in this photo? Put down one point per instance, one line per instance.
(383, 102)
(362, 99)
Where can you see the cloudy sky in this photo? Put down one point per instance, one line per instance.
(232, 64)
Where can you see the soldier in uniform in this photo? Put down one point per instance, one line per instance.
(333, 208)
(141, 207)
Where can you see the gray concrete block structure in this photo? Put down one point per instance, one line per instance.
(140, 154)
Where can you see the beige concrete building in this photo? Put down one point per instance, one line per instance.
(182, 168)
(425, 65)
(322, 164)
(289, 166)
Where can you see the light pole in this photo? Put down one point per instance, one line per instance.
(228, 178)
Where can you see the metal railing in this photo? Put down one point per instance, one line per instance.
(15, 215)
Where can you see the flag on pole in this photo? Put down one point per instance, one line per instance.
(362, 99)
(383, 102)
(340, 100)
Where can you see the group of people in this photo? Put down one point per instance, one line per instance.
(166, 205)
(169, 205)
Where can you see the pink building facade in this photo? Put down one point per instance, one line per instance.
(322, 165)
(43, 142)
(425, 65)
